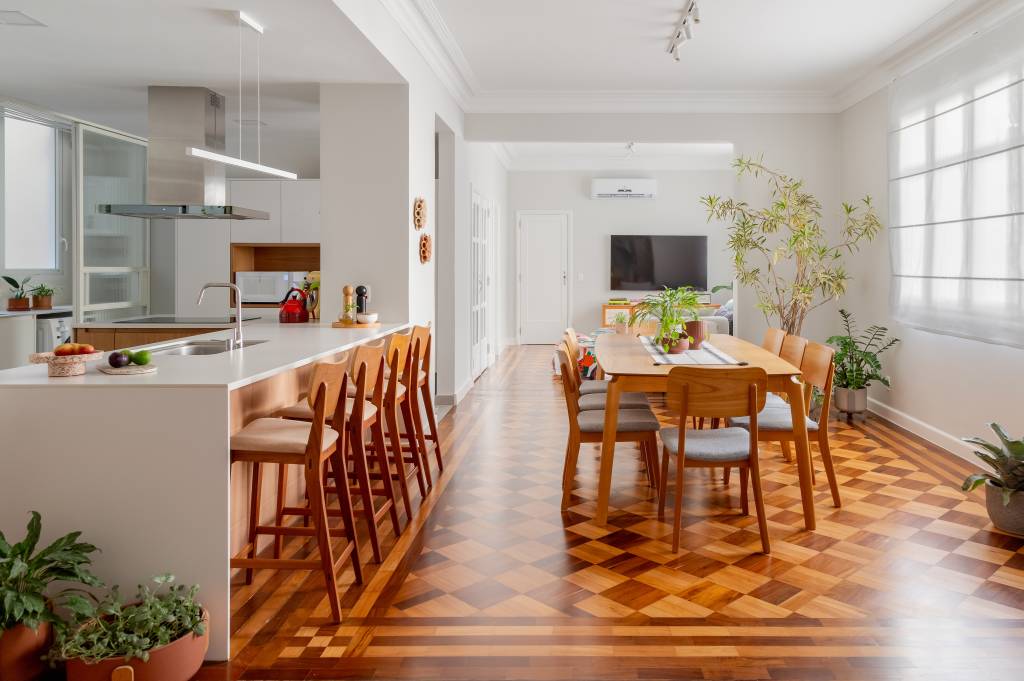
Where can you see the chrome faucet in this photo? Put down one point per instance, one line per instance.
(236, 336)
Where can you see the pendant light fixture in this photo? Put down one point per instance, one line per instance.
(246, 22)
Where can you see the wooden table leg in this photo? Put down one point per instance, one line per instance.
(611, 422)
(803, 451)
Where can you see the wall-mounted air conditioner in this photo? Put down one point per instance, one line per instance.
(605, 188)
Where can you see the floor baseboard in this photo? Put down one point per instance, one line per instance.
(924, 430)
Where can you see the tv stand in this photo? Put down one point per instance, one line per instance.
(609, 311)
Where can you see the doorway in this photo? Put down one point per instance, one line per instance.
(544, 265)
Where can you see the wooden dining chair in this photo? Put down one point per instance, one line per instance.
(423, 336)
(722, 392)
(773, 339)
(309, 444)
(597, 385)
(793, 349)
(638, 425)
(597, 400)
(775, 422)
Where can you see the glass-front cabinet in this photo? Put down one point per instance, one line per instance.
(112, 250)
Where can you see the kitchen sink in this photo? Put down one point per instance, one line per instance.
(192, 348)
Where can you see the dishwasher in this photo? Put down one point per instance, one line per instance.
(52, 329)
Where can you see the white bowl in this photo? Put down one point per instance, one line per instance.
(366, 317)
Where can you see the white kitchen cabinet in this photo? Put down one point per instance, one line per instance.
(300, 211)
(262, 195)
(202, 255)
(17, 340)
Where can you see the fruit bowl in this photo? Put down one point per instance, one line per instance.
(65, 365)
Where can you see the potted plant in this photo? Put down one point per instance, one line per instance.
(42, 297)
(620, 322)
(857, 363)
(161, 634)
(672, 308)
(782, 251)
(1005, 507)
(26, 614)
(18, 302)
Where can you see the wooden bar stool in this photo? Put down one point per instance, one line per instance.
(402, 367)
(309, 444)
(425, 338)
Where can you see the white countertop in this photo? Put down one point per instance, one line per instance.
(151, 326)
(29, 313)
(288, 346)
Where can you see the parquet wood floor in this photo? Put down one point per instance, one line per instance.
(493, 581)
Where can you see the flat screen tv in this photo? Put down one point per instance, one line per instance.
(649, 263)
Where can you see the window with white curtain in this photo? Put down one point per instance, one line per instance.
(956, 190)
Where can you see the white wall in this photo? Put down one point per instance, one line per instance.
(676, 210)
(944, 387)
(802, 145)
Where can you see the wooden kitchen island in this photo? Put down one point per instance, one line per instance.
(141, 464)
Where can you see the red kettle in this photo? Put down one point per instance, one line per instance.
(293, 310)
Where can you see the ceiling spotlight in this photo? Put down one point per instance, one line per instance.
(684, 28)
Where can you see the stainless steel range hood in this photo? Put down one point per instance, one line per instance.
(179, 186)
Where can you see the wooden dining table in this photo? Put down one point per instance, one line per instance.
(631, 368)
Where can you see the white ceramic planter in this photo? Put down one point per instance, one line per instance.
(851, 401)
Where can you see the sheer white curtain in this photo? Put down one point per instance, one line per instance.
(956, 190)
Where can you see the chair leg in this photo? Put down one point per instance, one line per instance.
(652, 453)
(677, 517)
(744, 475)
(572, 455)
(381, 453)
(254, 513)
(762, 520)
(787, 452)
(715, 422)
(830, 471)
(363, 478)
(417, 422)
(420, 457)
(318, 507)
(726, 474)
(347, 516)
(377, 431)
(396, 447)
(663, 482)
(282, 490)
(428, 406)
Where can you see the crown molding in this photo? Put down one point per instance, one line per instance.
(422, 22)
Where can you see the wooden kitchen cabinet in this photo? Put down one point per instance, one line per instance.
(119, 339)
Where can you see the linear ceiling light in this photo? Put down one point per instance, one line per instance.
(250, 22)
(684, 29)
(240, 163)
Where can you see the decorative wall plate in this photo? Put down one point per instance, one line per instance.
(426, 248)
(419, 212)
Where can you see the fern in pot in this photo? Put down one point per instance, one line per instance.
(27, 595)
(1006, 461)
(857, 363)
(162, 634)
(672, 308)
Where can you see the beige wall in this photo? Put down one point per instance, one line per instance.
(944, 387)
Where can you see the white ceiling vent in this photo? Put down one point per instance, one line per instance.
(642, 188)
(12, 17)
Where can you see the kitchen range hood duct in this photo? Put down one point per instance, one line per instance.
(180, 186)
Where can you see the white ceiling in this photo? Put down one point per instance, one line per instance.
(94, 59)
(639, 156)
(566, 50)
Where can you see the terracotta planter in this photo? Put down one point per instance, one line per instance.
(851, 401)
(17, 304)
(698, 331)
(176, 661)
(680, 346)
(1009, 518)
(42, 302)
(20, 651)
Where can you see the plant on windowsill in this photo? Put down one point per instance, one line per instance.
(1005, 506)
(672, 308)
(27, 619)
(857, 363)
(19, 301)
(163, 634)
(42, 297)
(782, 251)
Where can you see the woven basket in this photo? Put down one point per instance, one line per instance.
(62, 367)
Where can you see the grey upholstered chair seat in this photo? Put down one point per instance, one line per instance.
(626, 401)
(591, 387)
(773, 400)
(720, 444)
(630, 421)
(773, 418)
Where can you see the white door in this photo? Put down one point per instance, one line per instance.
(543, 276)
(478, 283)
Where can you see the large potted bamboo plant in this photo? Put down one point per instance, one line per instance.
(782, 251)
